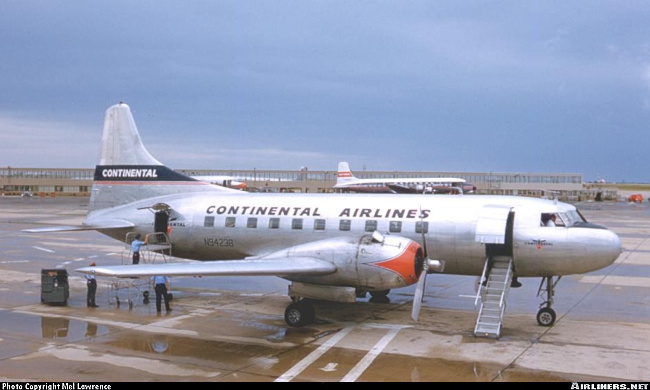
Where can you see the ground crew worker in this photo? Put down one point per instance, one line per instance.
(91, 282)
(136, 245)
(161, 285)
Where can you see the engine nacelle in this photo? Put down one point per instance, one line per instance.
(372, 262)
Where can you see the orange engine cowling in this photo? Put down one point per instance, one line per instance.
(371, 262)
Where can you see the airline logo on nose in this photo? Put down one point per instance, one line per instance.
(539, 243)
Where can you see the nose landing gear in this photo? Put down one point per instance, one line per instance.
(546, 315)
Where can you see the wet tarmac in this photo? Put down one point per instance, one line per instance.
(233, 329)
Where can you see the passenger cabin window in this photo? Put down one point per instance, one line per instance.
(422, 227)
(395, 226)
(251, 223)
(296, 223)
(274, 223)
(230, 222)
(208, 222)
(319, 224)
(371, 225)
(345, 224)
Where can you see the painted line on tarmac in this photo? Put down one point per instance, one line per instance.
(43, 249)
(312, 357)
(367, 360)
(622, 281)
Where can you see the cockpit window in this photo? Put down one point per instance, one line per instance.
(552, 220)
(565, 219)
(574, 217)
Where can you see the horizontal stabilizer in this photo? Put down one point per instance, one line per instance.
(102, 226)
(252, 267)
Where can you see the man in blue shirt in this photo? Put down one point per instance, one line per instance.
(136, 245)
(92, 288)
(160, 285)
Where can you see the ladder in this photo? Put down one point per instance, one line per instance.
(493, 296)
(157, 246)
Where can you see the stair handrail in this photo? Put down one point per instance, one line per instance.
(507, 286)
(480, 283)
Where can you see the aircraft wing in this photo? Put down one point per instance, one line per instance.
(117, 224)
(400, 189)
(247, 267)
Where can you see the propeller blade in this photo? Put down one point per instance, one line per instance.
(425, 263)
(424, 238)
(419, 293)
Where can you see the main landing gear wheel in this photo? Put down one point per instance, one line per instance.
(299, 314)
(379, 296)
(546, 316)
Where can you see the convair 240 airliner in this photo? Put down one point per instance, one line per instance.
(333, 246)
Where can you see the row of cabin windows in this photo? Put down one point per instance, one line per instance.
(319, 224)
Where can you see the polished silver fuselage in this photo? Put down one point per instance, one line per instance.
(234, 225)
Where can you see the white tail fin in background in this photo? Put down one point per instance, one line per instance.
(344, 175)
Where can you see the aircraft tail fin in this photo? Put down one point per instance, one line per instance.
(127, 172)
(121, 143)
(344, 175)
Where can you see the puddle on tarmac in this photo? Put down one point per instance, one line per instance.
(390, 367)
(50, 327)
(263, 359)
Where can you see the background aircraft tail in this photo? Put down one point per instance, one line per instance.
(344, 175)
(127, 172)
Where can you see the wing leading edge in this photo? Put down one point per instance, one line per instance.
(306, 266)
(102, 226)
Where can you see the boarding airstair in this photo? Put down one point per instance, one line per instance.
(492, 294)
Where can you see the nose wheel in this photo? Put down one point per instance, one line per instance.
(546, 315)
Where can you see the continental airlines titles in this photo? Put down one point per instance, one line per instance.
(133, 172)
(314, 212)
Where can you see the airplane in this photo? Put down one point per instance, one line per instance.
(220, 180)
(333, 247)
(346, 181)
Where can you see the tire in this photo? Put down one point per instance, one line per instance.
(379, 296)
(546, 316)
(299, 314)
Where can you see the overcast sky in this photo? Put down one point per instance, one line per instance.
(509, 86)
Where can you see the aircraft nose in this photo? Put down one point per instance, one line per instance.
(609, 247)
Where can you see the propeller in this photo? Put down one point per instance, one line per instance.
(427, 263)
(419, 289)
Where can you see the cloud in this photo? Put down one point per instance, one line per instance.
(646, 75)
(34, 143)
(198, 156)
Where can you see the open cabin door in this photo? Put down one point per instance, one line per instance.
(494, 227)
(161, 221)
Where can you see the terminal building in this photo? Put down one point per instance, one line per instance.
(78, 182)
